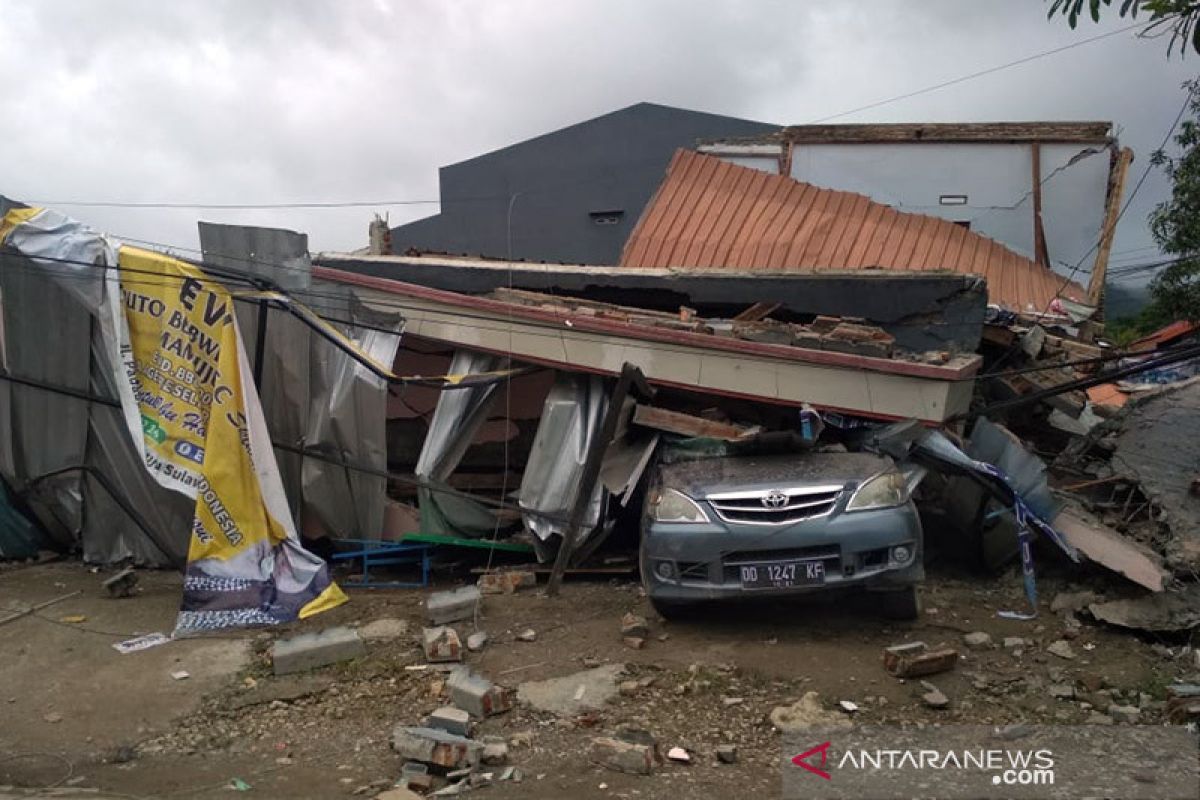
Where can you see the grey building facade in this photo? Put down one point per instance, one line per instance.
(571, 196)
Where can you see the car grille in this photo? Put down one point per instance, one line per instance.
(800, 504)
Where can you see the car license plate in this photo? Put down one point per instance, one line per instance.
(781, 574)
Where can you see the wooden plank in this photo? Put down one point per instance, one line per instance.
(757, 311)
(1111, 214)
(687, 425)
(1094, 132)
(1041, 253)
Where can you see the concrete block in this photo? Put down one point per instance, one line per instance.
(441, 644)
(451, 606)
(636, 759)
(434, 746)
(450, 719)
(312, 650)
(507, 581)
(915, 660)
(634, 625)
(477, 695)
(495, 750)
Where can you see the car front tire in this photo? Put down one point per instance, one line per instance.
(901, 604)
(673, 611)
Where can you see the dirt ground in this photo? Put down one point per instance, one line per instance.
(78, 715)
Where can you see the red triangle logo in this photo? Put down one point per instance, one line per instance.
(800, 760)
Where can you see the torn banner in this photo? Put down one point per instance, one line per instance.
(188, 398)
(933, 450)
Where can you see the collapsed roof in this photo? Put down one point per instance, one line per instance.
(711, 214)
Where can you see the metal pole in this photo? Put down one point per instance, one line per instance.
(260, 344)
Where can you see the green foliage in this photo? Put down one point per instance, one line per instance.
(1179, 17)
(1124, 330)
(1175, 223)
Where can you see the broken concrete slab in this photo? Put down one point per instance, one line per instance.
(916, 660)
(476, 641)
(805, 714)
(1105, 546)
(434, 746)
(1169, 611)
(441, 644)
(588, 690)
(453, 605)
(635, 759)
(385, 629)
(1160, 447)
(477, 695)
(312, 650)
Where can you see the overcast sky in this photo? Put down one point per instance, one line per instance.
(268, 102)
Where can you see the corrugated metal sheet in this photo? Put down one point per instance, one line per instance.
(710, 214)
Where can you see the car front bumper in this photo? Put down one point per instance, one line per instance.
(856, 549)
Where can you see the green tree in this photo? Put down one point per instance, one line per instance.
(1175, 223)
(1177, 17)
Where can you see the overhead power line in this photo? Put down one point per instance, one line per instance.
(322, 204)
(981, 73)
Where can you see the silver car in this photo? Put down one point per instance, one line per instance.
(748, 526)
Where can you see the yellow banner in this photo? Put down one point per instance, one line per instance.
(203, 432)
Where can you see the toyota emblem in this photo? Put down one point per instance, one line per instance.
(774, 499)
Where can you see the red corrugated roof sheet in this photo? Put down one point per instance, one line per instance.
(1165, 335)
(711, 214)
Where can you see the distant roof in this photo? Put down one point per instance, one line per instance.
(711, 214)
(991, 132)
(1165, 335)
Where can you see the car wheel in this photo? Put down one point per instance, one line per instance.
(901, 604)
(677, 611)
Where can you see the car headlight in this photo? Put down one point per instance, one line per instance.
(884, 490)
(673, 506)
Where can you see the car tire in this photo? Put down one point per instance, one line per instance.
(901, 604)
(673, 611)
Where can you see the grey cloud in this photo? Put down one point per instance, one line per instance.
(312, 100)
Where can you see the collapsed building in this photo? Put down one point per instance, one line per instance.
(424, 400)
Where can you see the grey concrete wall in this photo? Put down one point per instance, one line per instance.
(613, 162)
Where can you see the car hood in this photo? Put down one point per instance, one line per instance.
(705, 476)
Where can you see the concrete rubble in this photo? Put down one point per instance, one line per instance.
(588, 690)
(312, 650)
(452, 606)
(805, 714)
(623, 756)
(441, 645)
(915, 660)
(385, 629)
(477, 695)
(506, 581)
(450, 719)
(435, 746)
